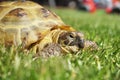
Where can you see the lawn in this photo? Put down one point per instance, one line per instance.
(103, 64)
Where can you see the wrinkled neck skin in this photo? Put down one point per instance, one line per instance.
(51, 37)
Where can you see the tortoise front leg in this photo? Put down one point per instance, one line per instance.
(90, 45)
(49, 50)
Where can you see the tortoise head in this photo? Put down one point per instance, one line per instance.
(71, 41)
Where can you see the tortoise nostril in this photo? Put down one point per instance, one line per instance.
(81, 43)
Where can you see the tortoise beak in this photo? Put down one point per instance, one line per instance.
(81, 43)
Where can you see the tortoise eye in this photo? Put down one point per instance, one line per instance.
(71, 35)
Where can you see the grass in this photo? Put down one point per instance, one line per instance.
(103, 64)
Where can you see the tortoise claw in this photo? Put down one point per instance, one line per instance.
(90, 45)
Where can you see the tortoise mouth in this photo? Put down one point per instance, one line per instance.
(71, 41)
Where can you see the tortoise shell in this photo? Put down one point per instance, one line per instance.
(26, 22)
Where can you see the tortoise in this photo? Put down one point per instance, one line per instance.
(28, 24)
